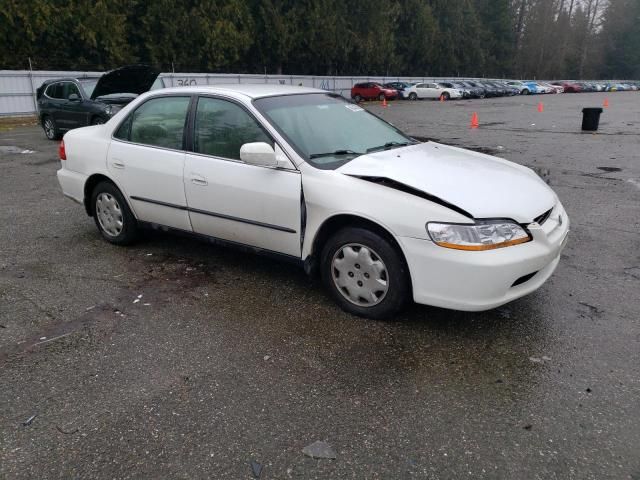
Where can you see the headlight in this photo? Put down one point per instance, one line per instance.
(484, 235)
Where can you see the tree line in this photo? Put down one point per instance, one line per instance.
(550, 39)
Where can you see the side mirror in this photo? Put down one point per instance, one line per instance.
(260, 154)
(74, 97)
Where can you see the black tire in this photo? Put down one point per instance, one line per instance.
(381, 97)
(50, 128)
(98, 121)
(129, 231)
(396, 272)
(357, 98)
(413, 96)
(526, 91)
(446, 96)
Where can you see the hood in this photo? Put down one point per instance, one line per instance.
(134, 79)
(484, 186)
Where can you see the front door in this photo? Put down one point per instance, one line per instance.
(74, 111)
(146, 159)
(234, 201)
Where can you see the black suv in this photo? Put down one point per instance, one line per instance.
(67, 103)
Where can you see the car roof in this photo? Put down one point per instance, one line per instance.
(69, 79)
(247, 90)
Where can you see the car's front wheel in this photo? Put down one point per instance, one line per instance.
(112, 215)
(51, 128)
(365, 273)
(413, 96)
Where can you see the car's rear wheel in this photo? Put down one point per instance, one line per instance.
(413, 96)
(51, 128)
(112, 215)
(365, 273)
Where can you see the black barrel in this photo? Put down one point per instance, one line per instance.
(591, 119)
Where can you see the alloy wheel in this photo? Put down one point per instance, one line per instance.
(49, 129)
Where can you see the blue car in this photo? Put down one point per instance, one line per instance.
(526, 88)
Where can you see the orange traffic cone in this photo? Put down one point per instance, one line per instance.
(384, 102)
(474, 120)
(606, 103)
(540, 107)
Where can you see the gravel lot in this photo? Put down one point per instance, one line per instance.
(230, 358)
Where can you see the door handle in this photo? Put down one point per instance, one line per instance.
(198, 180)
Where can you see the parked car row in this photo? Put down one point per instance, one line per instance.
(456, 89)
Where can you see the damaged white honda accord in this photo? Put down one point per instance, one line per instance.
(309, 176)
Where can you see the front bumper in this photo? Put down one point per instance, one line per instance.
(476, 281)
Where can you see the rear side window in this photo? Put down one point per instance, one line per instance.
(158, 122)
(222, 127)
(55, 90)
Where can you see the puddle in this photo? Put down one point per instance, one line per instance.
(12, 149)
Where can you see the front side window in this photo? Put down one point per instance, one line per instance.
(327, 130)
(158, 122)
(222, 127)
(70, 88)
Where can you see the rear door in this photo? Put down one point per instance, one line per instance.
(231, 200)
(146, 159)
(54, 102)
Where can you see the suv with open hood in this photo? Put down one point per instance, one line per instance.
(67, 103)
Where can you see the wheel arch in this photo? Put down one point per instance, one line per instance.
(335, 223)
(91, 183)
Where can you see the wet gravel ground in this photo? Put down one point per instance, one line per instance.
(229, 358)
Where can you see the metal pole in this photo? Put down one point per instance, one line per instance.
(33, 91)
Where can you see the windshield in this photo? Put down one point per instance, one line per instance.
(328, 131)
(89, 85)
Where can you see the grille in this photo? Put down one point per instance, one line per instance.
(543, 218)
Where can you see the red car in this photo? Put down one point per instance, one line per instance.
(571, 87)
(372, 90)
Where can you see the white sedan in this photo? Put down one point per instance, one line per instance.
(307, 175)
(432, 90)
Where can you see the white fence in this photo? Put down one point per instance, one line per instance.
(18, 87)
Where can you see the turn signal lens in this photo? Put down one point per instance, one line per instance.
(61, 152)
(484, 235)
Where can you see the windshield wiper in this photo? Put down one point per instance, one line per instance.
(337, 153)
(389, 145)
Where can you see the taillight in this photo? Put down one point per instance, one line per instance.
(61, 152)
